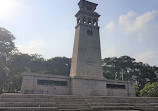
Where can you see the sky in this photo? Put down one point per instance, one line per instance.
(47, 27)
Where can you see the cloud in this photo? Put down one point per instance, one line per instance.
(32, 47)
(110, 52)
(147, 57)
(110, 26)
(132, 23)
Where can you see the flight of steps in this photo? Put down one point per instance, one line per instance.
(123, 103)
(39, 102)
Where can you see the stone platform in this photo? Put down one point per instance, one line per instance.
(64, 85)
(45, 102)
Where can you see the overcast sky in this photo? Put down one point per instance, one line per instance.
(47, 27)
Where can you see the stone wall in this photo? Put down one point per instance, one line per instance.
(88, 87)
(120, 88)
(45, 84)
(64, 85)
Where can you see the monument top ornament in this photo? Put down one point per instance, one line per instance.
(86, 14)
(83, 4)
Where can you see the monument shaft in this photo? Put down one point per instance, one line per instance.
(86, 59)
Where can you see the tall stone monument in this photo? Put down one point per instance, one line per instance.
(86, 75)
(86, 66)
(86, 59)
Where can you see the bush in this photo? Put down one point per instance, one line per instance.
(150, 90)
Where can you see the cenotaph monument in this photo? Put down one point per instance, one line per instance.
(86, 74)
(85, 89)
(86, 67)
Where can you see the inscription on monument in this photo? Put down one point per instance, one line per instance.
(116, 86)
(96, 48)
(83, 49)
(90, 62)
(52, 82)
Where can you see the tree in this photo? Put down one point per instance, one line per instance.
(150, 90)
(13, 84)
(6, 48)
(6, 43)
(18, 64)
(35, 63)
(121, 68)
(126, 68)
(58, 66)
(38, 64)
(23, 62)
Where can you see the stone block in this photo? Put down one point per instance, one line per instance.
(88, 87)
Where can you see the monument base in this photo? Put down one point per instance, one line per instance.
(88, 87)
(84, 86)
(101, 87)
(45, 84)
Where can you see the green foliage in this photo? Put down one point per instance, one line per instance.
(150, 90)
(19, 63)
(24, 62)
(37, 64)
(58, 65)
(6, 44)
(118, 68)
(6, 49)
(136, 90)
(13, 84)
(126, 68)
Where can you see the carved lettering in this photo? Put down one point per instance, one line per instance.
(96, 48)
(82, 49)
(52, 82)
(90, 62)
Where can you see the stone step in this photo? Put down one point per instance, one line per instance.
(118, 97)
(145, 108)
(79, 99)
(110, 104)
(123, 110)
(142, 104)
(79, 109)
(152, 101)
(27, 104)
(154, 104)
(47, 98)
(72, 106)
(26, 100)
(25, 95)
(156, 107)
(18, 95)
(110, 100)
(105, 101)
(76, 97)
(36, 96)
(67, 97)
(113, 107)
(74, 101)
(44, 102)
(63, 100)
(28, 108)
